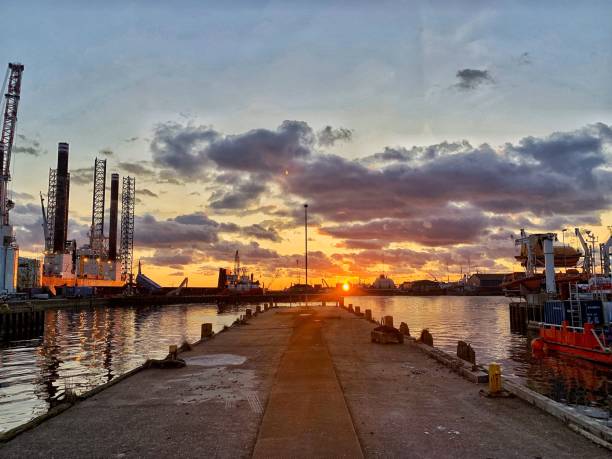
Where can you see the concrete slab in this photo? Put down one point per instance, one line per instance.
(404, 403)
(306, 415)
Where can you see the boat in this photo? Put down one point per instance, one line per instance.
(238, 281)
(574, 308)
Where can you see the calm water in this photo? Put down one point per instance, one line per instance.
(84, 348)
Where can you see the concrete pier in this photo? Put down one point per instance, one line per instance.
(300, 383)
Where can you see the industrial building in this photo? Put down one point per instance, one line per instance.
(100, 262)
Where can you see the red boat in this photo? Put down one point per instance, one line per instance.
(582, 342)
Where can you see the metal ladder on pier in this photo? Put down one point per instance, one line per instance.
(575, 311)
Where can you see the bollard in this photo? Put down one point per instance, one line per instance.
(426, 337)
(495, 379)
(173, 351)
(358, 310)
(341, 301)
(248, 313)
(368, 314)
(404, 330)
(257, 309)
(388, 321)
(266, 307)
(350, 308)
(206, 330)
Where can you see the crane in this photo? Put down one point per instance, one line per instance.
(605, 250)
(45, 223)
(587, 264)
(8, 249)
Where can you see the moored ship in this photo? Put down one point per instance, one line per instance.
(573, 310)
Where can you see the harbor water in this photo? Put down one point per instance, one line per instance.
(84, 348)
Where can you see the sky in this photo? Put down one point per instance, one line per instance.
(422, 134)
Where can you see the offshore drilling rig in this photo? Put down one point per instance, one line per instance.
(9, 251)
(97, 263)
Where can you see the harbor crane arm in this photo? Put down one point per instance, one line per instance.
(44, 216)
(587, 263)
(7, 135)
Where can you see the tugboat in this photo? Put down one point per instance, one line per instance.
(575, 309)
(238, 281)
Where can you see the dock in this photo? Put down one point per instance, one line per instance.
(300, 382)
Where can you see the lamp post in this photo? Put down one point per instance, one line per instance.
(564, 250)
(306, 241)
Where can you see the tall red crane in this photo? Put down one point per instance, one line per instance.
(8, 248)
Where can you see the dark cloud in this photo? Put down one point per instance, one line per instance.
(167, 257)
(417, 153)
(137, 169)
(147, 192)
(328, 136)
(450, 228)
(240, 196)
(131, 139)
(524, 59)
(182, 148)
(470, 79)
(185, 150)
(26, 146)
(107, 152)
(544, 176)
(81, 176)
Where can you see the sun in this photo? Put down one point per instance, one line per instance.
(346, 287)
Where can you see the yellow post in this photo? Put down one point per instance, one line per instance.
(173, 350)
(495, 379)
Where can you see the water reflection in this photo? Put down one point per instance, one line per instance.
(485, 323)
(83, 348)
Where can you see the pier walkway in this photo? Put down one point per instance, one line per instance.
(300, 383)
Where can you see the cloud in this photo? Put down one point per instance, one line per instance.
(131, 139)
(524, 59)
(107, 152)
(186, 150)
(147, 192)
(240, 196)
(17, 196)
(470, 79)
(137, 169)
(26, 146)
(328, 136)
(81, 176)
(545, 176)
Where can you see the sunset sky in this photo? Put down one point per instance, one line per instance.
(423, 135)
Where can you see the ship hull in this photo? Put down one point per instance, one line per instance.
(583, 344)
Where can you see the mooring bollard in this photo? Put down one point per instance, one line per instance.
(358, 310)
(388, 321)
(341, 301)
(257, 309)
(426, 337)
(368, 314)
(173, 351)
(495, 378)
(248, 313)
(206, 330)
(350, 308)
(404, 330)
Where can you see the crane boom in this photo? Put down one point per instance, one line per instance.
(587, 264)
(7, 136)
(45, 222)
